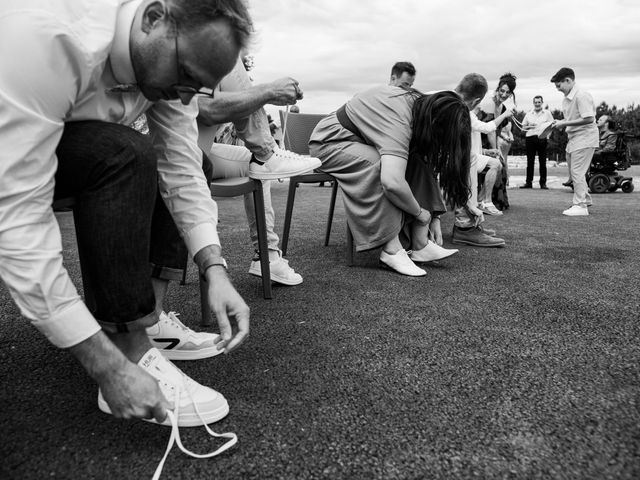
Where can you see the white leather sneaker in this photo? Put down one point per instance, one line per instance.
(432, 251)
(283, 164)
(401, 263)
(195, 404)
(178, 342)
(279, 270)
(576, 211)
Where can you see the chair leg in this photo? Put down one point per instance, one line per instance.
(184, 276)
(291, 197)
(332, 206)
(205, 311)
(349, 251)
(258, 203)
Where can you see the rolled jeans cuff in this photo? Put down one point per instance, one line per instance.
(162, 272)
(133, 326)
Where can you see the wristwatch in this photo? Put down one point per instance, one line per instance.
(210, 262)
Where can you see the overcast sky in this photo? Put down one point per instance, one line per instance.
(336, 48)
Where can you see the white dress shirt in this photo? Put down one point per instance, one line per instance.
(59, 59)
(538, 120)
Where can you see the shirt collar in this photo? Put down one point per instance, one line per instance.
(120, 55)
(573, 92)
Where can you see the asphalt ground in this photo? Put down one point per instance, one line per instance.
(513, 363)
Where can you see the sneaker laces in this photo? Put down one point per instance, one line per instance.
(175, 435)
(173, 319)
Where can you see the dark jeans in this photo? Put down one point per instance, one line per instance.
(536, 146)
(122, 224)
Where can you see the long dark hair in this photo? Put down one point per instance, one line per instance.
(441, 137)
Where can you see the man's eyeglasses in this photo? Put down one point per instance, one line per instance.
(185, 93)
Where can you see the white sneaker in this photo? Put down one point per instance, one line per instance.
(430, 252)
(401, 263)
(279, 270)
(194, 404)
(576, 211)
(283, 164)
(489, 208)
(178, 342)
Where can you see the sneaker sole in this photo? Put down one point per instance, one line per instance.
(190, 355)
(276, 279)
(185, 419)
(474, 244)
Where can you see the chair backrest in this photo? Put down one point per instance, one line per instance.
(296, 130)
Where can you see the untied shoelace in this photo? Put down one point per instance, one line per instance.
(175, 438)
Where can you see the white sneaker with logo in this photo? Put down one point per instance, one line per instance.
(178, 342)
(280, 271)
(194, 404)
(283, 164)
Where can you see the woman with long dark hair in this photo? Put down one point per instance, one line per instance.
(500, 141)
(386, 147)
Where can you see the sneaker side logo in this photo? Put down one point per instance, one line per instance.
(171, 342)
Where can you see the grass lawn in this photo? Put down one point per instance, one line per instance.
(513, 363)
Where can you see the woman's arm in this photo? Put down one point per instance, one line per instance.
(396, 188)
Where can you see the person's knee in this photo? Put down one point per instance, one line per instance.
(495, 164)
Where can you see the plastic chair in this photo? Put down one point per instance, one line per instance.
(68, 205)
(296, 131)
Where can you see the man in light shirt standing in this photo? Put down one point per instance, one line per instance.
(579, 120)
(533, 123)
(76, 75)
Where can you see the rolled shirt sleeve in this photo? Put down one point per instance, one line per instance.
(36, 94)
(181, 180)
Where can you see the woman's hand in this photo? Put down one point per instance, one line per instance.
(424, 217)
(435, 231)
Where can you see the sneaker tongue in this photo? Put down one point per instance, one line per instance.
(159, 367)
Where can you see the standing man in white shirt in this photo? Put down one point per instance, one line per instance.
(579, 120)
(76, 74)
(533, 123)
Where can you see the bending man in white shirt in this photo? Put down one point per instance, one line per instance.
(77, 73)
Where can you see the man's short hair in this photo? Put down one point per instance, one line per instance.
(538, 96)
(472, 86)
(564, 72)
(400, 67)
(195, 14)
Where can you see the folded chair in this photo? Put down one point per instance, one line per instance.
(296, 131)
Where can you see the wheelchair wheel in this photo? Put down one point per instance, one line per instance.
(627, 187)
(599, 183)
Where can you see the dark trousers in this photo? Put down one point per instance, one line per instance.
(536, 146)
(123, 227)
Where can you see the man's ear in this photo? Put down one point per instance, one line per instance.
(475, 103)
(153, 13)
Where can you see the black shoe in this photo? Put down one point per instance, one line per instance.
(544, 187)
(568, 183)
(526, 185)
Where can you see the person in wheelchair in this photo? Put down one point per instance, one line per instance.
(610, 156)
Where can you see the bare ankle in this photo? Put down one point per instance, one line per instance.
(132, 344)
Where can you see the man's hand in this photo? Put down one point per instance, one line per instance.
(558, 124)
(285, 91)
(226, 304)
(133, 393)
(128, 389)
(475, 213)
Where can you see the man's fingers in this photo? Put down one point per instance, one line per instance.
(159, 413)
